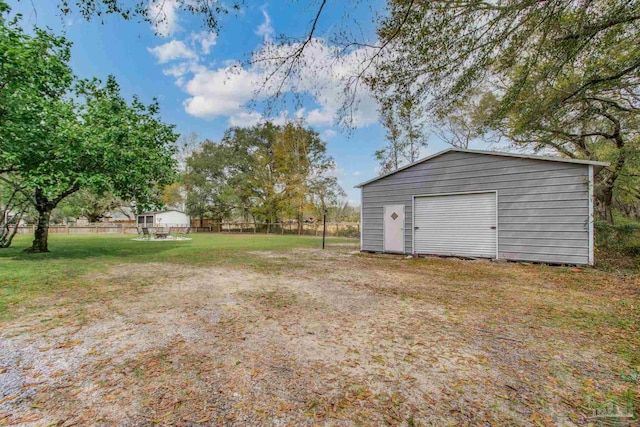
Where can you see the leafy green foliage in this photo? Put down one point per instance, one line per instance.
(267, 172)
(59, 135)
(405, 134)
(209, 191)
(151, 11)
(618, 237)
(128, 148)
(444, 49)
(34, 77)
(618, 246)
(562, 75)
(86, 203)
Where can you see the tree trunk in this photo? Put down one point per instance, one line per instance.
(41, 236)
(607, 202)
(300, 222)
(93, 218)
(7, 234)
(608, 186)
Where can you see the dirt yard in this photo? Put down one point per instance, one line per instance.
(332, 338)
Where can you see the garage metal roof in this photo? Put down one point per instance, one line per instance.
(490, 153)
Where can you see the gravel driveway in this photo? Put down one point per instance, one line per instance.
(316, 338)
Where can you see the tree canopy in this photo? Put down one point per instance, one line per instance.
(560, 76)
(150, 10)
(406, 134)
(266, 172)
(60, 134)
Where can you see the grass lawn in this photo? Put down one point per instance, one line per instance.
(270, 330)
(26, 277)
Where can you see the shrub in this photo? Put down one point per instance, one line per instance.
(348, 231)
(618, 245)
(616, 236)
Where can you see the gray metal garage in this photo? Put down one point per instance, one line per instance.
(483, 204)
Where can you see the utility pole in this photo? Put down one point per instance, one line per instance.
(324, 226)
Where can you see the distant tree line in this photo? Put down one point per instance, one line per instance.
(266, 173)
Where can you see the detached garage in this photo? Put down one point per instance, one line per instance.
(483, 204)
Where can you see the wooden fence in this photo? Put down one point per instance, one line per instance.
(334, 229)
(344, 229)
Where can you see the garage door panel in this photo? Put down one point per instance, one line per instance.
(460, 224)
(446, 248)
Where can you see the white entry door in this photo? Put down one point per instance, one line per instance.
(457, 224)
(394, 228)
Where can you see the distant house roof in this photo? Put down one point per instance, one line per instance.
(157, 212)
(491, 153)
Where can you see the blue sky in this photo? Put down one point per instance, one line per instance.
(188, 69)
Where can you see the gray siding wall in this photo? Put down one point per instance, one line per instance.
(543, 206)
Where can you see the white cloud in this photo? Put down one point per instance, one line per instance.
(265, 30)
(317, 117)
(356, 173)
(164, 16)
(177, 70)
(324, 74)
(226, 91)
(205, 39)
(252, 118)
(172, 51)
(281, 119)
(245, 119)
(221, 92)
(328, 134)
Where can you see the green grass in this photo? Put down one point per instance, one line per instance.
(24, 276)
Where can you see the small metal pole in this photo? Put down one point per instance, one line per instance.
(324, 226)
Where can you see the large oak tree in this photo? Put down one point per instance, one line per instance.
(563, 75)
(266, 172)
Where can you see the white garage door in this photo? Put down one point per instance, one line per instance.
(460, 224)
